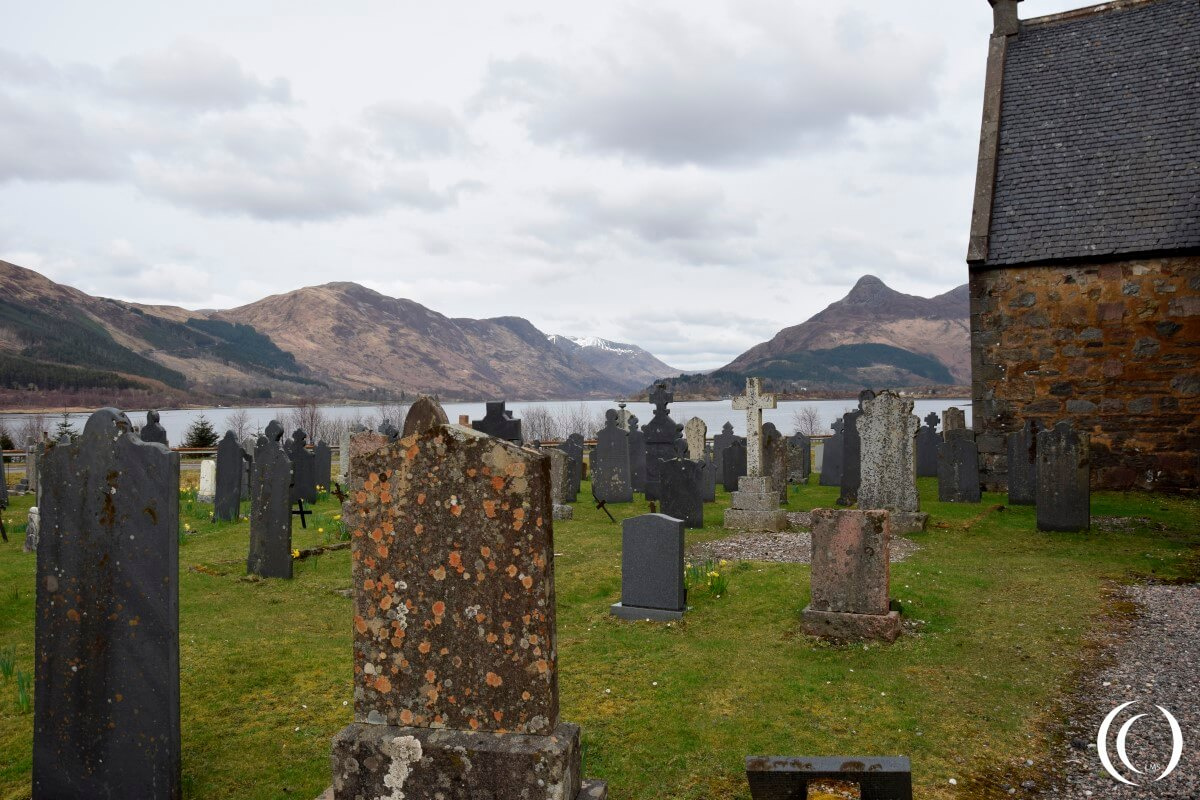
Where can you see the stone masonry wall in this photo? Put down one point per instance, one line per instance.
(1113, 347)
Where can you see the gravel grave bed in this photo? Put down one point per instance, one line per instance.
(784, 548)
(1153, 661)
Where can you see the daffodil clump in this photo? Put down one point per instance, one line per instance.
(709, 574)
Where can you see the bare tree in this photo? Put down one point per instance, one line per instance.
(31, 429)
(394, 412)
(538, 425)
(807, 420)
(239, 423)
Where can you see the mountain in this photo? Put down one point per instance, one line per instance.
(874, 336)
(627, 364)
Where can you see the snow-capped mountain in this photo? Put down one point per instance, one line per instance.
(626, 364)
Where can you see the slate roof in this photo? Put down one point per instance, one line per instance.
(1099, 148)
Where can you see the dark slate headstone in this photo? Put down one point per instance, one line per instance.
(610, 462)
(304, 468)
(323, 465)
(651, 568)
(928, 439)
(661, 434)
(720, 442)
(734, 464)
(775, 459)
(958, 467)
(271, 508)
(248, 445)
(573, 447)
(787, 778)
(831, 456)
(152, 431)
(799, 458)
(3, 484)
(710, 475)
(425, 413)
(106, 667)
(1064, 497)
(227, 503)
(499, 423)
(1022, 465)
(637, 455)
(682, 488)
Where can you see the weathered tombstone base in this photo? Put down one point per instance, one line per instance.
(852, 627)
(908, 522)
(774, 778)
(562, 511)
(636, 613)
(393, 761)
(755, 507)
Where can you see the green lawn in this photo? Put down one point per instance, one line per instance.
(668, 711)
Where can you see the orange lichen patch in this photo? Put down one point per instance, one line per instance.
(533, 639)
(516, 469)
(525, 695)
(443, 651)
(424, 647)
(383, 551)
(373, 478)
(397, 642)
(472, 472)
(386, 602)
(439, 608)
(527, 582)
(498, 715)
(430, 676)
(480, 617)
(406, 717)
(377, 535)
(542, 665)
(491, 638)
(421, 499)
(368, 584)
(512, 570)
(497, 483)
(360, 624)
(518, 514)
(494, 680)
(474, 723)
(73, 615)
(360, 497)
(456, 510)
(508, 639)
(491, 565)
(485, 551)
(383, 685)
(439, 573)
(385, 497)
(418, 529)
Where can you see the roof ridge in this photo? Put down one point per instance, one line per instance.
(1087, 11)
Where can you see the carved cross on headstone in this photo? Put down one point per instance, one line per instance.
(932, 420)
(661, 397)
(753, 402)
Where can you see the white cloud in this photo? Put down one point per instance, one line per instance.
(194, 76)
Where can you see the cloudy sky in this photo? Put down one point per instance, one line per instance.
(689, 176)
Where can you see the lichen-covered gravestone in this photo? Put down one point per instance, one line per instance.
(661, 434)
(322, 465)
(304, 468)
(208, 481)
(499, 423)
(637, 455)
(733, 464)
(831, 456)
(852, 452)
(426, 413)
(887, 431)
(227, 505)
(1022, 465)
(1064, 469)
(695, 432)
(928, 439)
(953, 419)
(271, 508)
(610, 462)
(775, 459)
(106, 704)
(682, 488)
(851, 574)
(958, 467)
(573, 448)
(559, 480)
(651, 568)
(455, 661)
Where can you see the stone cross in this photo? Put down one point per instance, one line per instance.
(106, 661)
(753, 402)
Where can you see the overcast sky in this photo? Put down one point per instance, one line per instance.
(688, 176)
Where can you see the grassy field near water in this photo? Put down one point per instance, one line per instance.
(999, 619)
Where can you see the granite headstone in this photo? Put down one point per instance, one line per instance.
(958, 467)
(887, 431)
(651, 568)
(682, 488)
(610, 462)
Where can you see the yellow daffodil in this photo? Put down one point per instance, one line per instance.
(295, 554)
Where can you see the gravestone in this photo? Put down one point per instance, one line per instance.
(850, 577)
(958, 467)
(573, 448)
(695, 432)
(710, 475)
(610, 462)
(559, 483)
(852, 452)
(637, 455)
(3, 484)
(651, 568)
(231, 460)
(271, 507)
(33, 525)
(775, 459)
(33, 453)
(831, 457)
(755, 504)
(344, 456)
(799, 449)
(624, 417)
(734, 464)
(1064, 496)
(304, 468)
(424, 414)
(928, 439)
(106, 663)
(361, 443)
(388, 430)
(787, 778)
(152, 431)
(248, 445)
(682, 488)
(1022, 465)
(455, 652)
(499, 423)
(208, 481)
(888, 434)
(322, 466)
(661, 433)
(721, 441)
(953, 419)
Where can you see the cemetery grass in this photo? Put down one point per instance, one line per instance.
(999, 618)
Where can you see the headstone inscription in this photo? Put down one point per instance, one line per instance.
(573, 448)
(455, 681)
(788, 778)
(304, 468)
(831, 459)
(153, 431)
(682, 488)
(851, 577)
(799, 450)
(1022, 464)
(852, 452)
(734, 464)
(271, 508)
(499, 423)
(928, 439)
(661, 432)
(610, 462)
(775, 459)
(227, 505)
(651, 568)
(637, 455)
(208, 481)
(958, 467)
(888, 434)
(423, 414)
(106, 700)
(322, 466)
(1064, 498)
(755, 504)
(953, 419)
(721, 441)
